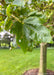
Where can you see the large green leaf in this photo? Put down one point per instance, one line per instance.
(43, 34)
(22, 36)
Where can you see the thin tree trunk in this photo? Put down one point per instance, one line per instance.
(43, 53)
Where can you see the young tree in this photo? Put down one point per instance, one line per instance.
(31, 23)
(47, 8)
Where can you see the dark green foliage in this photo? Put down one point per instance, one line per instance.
(29, 21)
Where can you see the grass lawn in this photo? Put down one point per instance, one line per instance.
(15, 62)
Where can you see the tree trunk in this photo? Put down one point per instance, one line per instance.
(43, 53)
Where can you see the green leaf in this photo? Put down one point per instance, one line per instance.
(19, 2)
(19, 30)
(35, 13)
(8, 1)
(33, 21)
(43, 34)
(8, 10)
(7, 23)
(1, 23)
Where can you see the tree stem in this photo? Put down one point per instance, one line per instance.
(43, 53)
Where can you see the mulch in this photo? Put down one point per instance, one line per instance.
(35, 72)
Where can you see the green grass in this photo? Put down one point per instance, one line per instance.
(15, 62)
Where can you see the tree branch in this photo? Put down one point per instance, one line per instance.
(49, 26)
(15, 18)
